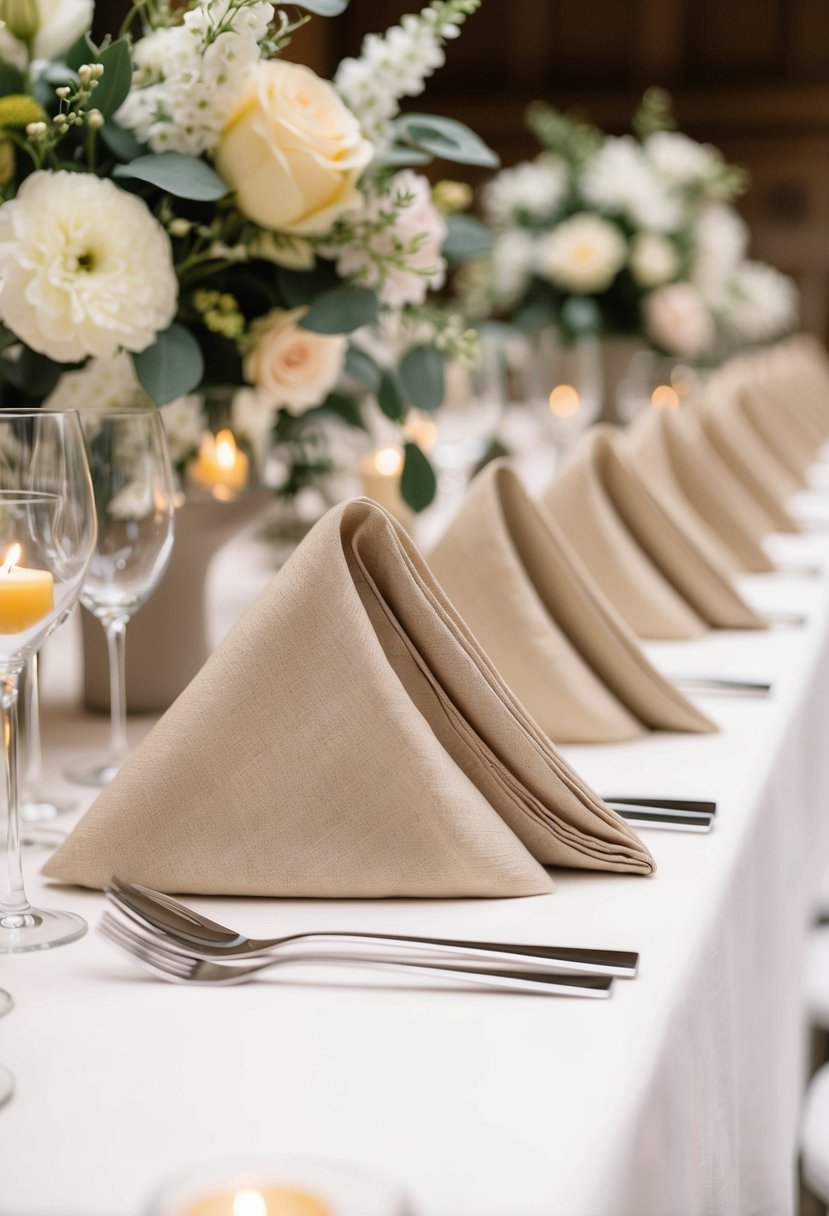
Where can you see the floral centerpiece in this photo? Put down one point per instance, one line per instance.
(183, 209)
(631, 235)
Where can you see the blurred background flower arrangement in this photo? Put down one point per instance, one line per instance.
(189, 220)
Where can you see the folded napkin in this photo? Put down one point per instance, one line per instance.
(554, 637)
(675, 451)
(348, 739)
(752, 461)
(773, 412)
(613, 520)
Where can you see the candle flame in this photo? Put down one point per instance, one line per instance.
(664, 397)
(11, 559)
(564, 400)
(388, 461)
(249, 1203)
(225, 450)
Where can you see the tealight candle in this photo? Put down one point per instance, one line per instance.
(664, 397)
(380, 475)
(26, 596)
(564, 400)
(270, 1201)
(219, 463)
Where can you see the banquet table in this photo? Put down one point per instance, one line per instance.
(678, 1096)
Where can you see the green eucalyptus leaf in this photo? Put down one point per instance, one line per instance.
(34, 374)
(116, 81)
(323, 8)
(172, 366)
(581, 315)
(341, 310)
(391, 398)
(446, 138)
(176, 174)
(345, 408)
(466, 238)
(404, 155)
(418, 483)
(421, 373)
(83, 50)
(362, 367)
(300, 287)
(11, 80)
(122, 143)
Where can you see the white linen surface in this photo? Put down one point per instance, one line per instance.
(678, 1097)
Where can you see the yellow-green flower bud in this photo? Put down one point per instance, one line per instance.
(22, 18)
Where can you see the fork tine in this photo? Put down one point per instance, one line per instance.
(144, 949)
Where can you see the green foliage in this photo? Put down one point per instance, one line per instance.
(466, 238)
(344, 408)
(655, 113)
(341, 310)
(568, 135)
(116, 81)
(172, 366)
(362, 367)
(444, 137)
(418, 483)
(421, 374)
(391, 396)
(174, 173)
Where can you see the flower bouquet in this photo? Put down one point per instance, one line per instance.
(632, 235)
(185, 211)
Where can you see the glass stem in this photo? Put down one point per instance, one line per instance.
(33, 750)
(13, 903)
(116, 632)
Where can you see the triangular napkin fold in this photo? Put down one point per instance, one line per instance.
(614, 521)
(773, 412)
(348, 739)
(675, 451)
(539, 615)
(752, 461)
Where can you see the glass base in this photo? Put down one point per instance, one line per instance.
(33, 836)
(38, 929)
(41, 807)
(6, 1001)
(6, 1085)
(95, 775)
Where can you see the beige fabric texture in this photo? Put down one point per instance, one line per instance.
(599, 484)
(675, 450)
(349, 738)
(773, 413)
(751, 461)
(554, 637)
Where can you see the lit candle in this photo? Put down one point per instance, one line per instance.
(26, 596)
(380, 474)
(664, 397)
(270, 1201)
(564, 400)
(219, 463)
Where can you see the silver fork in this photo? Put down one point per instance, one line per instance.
(178, 968)
(184, 929)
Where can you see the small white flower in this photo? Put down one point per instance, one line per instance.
(583, 254)
(653, 260)
(107, 384)
(134, 501)
(85, 269)
(678, 321)
(680, 160)
(184, 422)
(512, 262)
(402, 262)
(532, 191)
(720, 239)
(619, 181)
(252, 416)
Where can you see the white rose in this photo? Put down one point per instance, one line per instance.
(291, 150)
(584, 253)
(680, 160)
(85, 269)
(59, 24)
(762, 303)
(677, 320)
(293, 368)
(653, 259)
(512, 260)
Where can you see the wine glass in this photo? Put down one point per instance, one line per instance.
(38, 803)
(47, 536)
(132, 479)
(562, 383)
(6, 1079)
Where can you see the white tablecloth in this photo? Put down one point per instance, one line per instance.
(678, 1097)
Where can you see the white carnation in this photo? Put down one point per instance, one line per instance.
(720, 240)
(654, 259)
(402, 261)
(584, 253)
(532, 191)
(680, 160)
(620, 181)
(762, 303)
(85, 269)
(678, 321)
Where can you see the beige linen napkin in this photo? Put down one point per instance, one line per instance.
(608, 513)
(554, 637)
(677, 453)
(752, 461)
(772, 411)
(348, 739)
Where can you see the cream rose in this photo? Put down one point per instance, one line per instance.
(293, 368)
(678, 321)
(291, 150)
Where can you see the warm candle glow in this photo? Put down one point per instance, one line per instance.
(219, 466)
(26, 596)
(564, 400)
(225, 454)
(249, 1203)
(664, 397)
(421, 430)
(388, 461)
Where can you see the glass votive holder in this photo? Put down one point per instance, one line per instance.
(277, 1187)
